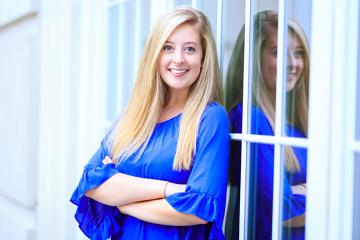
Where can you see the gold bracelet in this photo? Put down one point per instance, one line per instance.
(165, 188)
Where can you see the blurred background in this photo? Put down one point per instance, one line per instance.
(66, 71)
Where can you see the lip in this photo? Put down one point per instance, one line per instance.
(178, 72)
(290, 75)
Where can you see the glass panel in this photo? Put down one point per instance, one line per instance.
(233, 209)
(233, 58)
(297, 72)
(294, 192)
(182, 2)
(260, 201)
(233, 19)
(356, 226)
(262, 89)
(209, 8)
(261, 94)
(112, 71)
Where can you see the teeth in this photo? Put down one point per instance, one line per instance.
(178, 71)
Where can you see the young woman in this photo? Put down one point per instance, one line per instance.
(262, 121)
(161, 172)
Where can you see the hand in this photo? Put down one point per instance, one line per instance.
(107, 160)
(172, 188)
(299, 189)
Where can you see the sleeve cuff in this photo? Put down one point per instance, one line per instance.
(96, 220)
(202, 206)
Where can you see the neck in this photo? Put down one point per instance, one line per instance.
(177, 99)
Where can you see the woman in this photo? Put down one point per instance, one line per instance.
(262, 122)
(161, 172)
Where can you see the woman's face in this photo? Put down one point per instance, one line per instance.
(295, 61)
(180, 60)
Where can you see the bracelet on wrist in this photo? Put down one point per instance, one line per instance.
(165, 188)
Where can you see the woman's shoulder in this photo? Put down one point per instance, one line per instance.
(259, 122)
(215, 110)
(255, 112)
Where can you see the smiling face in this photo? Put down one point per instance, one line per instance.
(180, 59)
(295, 61)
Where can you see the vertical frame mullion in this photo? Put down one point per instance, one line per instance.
(350, 73)
(245, 171)
(279, 120)
(195, 3)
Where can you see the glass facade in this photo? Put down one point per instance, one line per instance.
(264, 50)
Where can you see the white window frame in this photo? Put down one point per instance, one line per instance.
(331, 124)
(331, 145)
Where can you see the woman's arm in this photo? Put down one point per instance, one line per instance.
(160, 212)
(299, 189)
(298, 221)
(122, 189)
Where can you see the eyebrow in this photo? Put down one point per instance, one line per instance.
(184, 43)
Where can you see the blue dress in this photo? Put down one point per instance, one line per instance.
(206, 181)
(261, 177)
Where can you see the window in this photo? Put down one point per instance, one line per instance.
(278, 126)
(268, 70)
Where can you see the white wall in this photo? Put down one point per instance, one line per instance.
(19, 71)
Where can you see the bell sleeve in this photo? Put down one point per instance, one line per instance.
(96, 220)
(205, 193)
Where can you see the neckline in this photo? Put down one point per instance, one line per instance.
(170, 119)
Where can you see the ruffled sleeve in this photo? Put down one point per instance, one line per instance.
(205, 194)
(96, 220)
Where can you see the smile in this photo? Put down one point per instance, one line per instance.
(178, 72)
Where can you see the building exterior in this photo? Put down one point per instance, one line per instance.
(66, 71)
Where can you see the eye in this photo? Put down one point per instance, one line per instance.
(190, 49)
(168, 48)
(299, 53)
(274, 52)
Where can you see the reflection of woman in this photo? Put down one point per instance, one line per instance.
(172, 135)
(263, 122)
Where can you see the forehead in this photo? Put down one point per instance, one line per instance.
(185, 32)
(293, 39)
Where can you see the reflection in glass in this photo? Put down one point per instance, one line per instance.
(233, 19)
(297, 80)
(356, 225)
(262, 122)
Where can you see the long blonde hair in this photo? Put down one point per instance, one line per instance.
(135, 126)
(265, 24)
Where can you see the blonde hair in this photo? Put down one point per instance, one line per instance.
(149, 95)
(265, 24)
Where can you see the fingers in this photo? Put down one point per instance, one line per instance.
(107, 160)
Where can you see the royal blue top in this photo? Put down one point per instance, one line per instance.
(206, 182)
(261, 177)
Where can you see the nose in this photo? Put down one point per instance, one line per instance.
(291, 61)
(178, 56)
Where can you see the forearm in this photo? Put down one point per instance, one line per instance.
(122, 189)
(160, 212)
(299, 189)
(298, 221)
